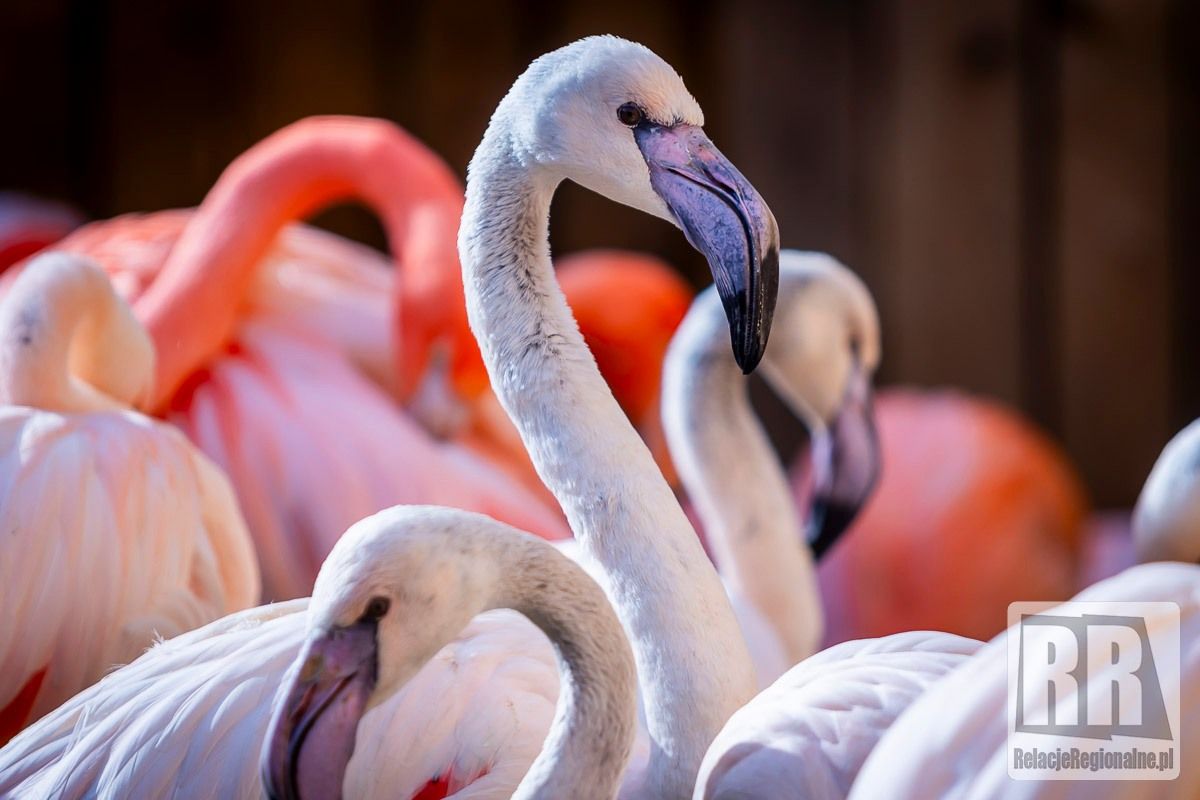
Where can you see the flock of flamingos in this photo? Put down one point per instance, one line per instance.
(212, 408)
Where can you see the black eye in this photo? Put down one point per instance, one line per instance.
(375, 609)
(630, 115)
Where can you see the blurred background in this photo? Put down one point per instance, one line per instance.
(1016, 180)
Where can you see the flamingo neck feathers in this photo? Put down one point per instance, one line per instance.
(68, 343)
(692, 661)
(192, 307)
(596, 717)
(731, 472)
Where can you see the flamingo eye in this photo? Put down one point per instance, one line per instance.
(376, 609)
(630, 114)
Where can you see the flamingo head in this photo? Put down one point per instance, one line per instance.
(615, 118)
(830, 325)
(395, 589)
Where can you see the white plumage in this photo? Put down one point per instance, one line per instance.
(808, 734)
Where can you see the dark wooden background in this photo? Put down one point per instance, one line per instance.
(1016, 180)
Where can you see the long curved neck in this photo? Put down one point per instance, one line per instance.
(726, 463)
(68, 343)
(692, 661)
(588, 745)
(192, 307)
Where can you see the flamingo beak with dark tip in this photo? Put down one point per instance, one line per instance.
(317, 710)
(725, 219)
(845, 465)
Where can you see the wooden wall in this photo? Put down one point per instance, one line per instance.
(1015, 179)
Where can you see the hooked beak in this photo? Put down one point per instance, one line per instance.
(311, 737)
(845, 465)
(725, 219)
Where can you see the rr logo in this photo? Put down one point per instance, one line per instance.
(1093, 691)
(1057, 693)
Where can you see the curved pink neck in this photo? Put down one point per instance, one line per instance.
(192, 307)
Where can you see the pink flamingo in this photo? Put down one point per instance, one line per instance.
(258, 360)
(95, 492)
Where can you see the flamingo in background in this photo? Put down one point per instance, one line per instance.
(96, 497)
(258, 360)
(807, 734)
(825, 350)
(691, 660)
(28, 224)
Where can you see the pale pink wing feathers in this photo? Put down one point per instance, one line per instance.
(115, 530)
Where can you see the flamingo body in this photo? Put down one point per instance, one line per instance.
(303, 379)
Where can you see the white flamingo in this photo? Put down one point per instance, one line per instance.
(806, 735)
(116, 529)
(613, 116)
(826, 349)
(953, 741)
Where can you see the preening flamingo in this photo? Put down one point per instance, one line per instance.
(994, 509)
(116, 530)
(825, 350)
(601, 100)
(258, 360)
(387, 601)
(28, 224)
(953, 742)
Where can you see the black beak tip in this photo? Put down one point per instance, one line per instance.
(831, 519)
(754, 322)
(749, 354)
